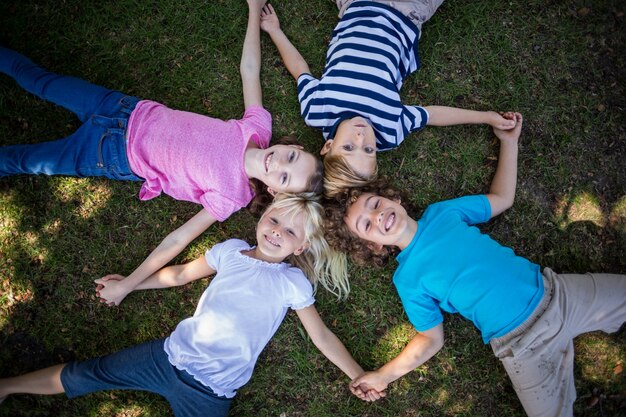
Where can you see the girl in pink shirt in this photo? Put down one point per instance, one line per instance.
(218, 164)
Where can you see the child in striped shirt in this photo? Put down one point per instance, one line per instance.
(356, 102)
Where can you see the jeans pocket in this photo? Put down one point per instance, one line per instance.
(112, 159)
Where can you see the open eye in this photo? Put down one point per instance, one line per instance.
(283, 179)
(369, 150)
(348, 147)
(292, 156)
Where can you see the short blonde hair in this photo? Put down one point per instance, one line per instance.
(339, 176)
(320, 263)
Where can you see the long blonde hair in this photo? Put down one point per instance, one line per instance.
(338, 176)
(319, 262)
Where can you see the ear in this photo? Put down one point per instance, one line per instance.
(272, 191)
(327, 147)
(301, 249)
(397, 200)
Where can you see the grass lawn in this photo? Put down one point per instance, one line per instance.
(560, 63)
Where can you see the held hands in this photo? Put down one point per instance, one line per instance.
(110, 289)
(269, 20)
(369, 386)
(499, 121)
(510, 134)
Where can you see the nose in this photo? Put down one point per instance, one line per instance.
(379, 217)
(276, 232)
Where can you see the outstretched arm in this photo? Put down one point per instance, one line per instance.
(502, 190)
(250, 66)
(171, 276)
(448, 116)
(333, 349)
(295, 63)
(421, 348)
(113, 291)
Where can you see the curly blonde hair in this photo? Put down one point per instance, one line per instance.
(339, 175)
(340, 238)
(319, 262)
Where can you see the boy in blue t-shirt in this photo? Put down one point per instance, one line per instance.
(528, 317)
(356, 102)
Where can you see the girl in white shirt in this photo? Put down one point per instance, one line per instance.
(199, 367)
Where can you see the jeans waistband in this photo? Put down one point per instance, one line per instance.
(548, 292)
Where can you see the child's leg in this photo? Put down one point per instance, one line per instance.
(76, 95)
(540, 363)
(417, 11)
(44, 381)
(144, 367)
(97, 148)
(595, 302)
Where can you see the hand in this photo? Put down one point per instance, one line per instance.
(498, 121)
(511, 134)
(369, 386)
(269, 20)
(109, 289)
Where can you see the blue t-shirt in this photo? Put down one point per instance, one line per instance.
(372, 51)
(450, 265)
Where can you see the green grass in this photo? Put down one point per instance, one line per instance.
(561, 64)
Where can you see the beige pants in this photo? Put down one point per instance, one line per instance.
(539, 355)
(418, 11)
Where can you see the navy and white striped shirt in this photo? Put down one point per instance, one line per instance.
(372, 51)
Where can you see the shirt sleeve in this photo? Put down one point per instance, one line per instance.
(307, 94)
(472, 209)
(218, 205)
(213, 255)
(414, 118)
(300, 291)
(422, 310)
(257, 126)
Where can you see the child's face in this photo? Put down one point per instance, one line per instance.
(356, 142)
(286, 168)
(378, 220)
(279, 235)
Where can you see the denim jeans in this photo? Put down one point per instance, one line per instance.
(144, 367)
(97, 148)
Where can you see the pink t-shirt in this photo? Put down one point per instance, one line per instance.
(193, 157)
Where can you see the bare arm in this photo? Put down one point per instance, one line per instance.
(421, 348)
(502, 191)
(113, 292)
(176, 275)
(250, 66)
(448, 116)
(295, 63)
(327, 342)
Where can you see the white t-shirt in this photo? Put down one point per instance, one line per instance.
(237, 315)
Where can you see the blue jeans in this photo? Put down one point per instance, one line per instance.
(144, 367)
(97, 148)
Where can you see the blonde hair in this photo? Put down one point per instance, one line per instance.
(319, 262)
(339, 176)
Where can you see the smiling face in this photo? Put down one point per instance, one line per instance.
(280, 234)
(381, 221)
(356, 142)
(285, 168)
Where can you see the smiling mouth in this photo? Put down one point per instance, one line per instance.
(268, 160)
(391, 220)
(271, 241)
